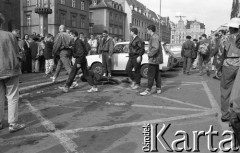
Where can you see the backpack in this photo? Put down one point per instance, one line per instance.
(203, 48)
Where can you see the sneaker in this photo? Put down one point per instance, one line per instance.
(74, 85)
(133, 84)
(208, 73)
(54, 79)
(109, 75)
(135, 87)
(159, 91)
(16, 127)
(104, 75)
(64, 89)
(93, 89)
(145, 93)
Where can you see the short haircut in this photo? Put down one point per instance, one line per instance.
(152, 27)
(74, 32)
(2, 19)
(189, 37)
(35, 38)
(195, 40)
(105, 31)
(25, 36)
(16, 30)
(223, 31)
(49, 35)
(134, 30)
(204, 35)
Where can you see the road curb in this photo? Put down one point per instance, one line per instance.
(27, 89)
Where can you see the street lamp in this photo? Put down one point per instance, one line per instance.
(43, 9)
(160, 20)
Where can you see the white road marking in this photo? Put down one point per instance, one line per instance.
(68, 144)
(169, 99)
(133, 124)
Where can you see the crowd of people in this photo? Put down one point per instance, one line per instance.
(221, 52)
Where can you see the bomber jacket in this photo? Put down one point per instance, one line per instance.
(61, 42)
(106, 46)
(79, 51)
(136, 47)
(155, 55)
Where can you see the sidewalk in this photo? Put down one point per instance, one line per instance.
(32, 81)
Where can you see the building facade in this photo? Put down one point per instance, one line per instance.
(74, 14)
(108, 15)
(11, 11)
(139, 16)
(192, 28)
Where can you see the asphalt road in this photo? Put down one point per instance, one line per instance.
(111, 120)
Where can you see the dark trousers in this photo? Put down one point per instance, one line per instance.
(154, 74)
(63, 61)
(187, 62)
(135, 76)
(106, 62)
(74, 72)
(229, 74)
(204, 60)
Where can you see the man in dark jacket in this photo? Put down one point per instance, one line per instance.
(188, 48)
(136, 50)
(35, 54)
(106, 49)
(155, 57)
(79, 52)
(62, 48)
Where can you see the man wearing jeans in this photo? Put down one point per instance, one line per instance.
(106, 48)
(186, 53)
(9, 78)
(62, 48)
(80, 53)
(155, 58)
(136, 50)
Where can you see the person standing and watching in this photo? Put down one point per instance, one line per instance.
(62, 48)
(136, 51)
(9, 78)
(80, 53)
(230, 67)
(49, 62)
(106, 49)
(155, 57)
(188, 48)
(34, 46)
(27, 64)
(204, 50)
(93, 43)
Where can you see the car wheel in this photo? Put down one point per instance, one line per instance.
(97, 68)
(144, 71)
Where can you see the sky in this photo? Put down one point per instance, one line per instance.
(213, 13)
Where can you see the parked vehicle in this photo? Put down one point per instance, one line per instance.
(120, 59)
(176, 50)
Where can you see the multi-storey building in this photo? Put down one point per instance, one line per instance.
(192, 28)
(139, 16)
(108, 15)
(10, 9)
(74, 14)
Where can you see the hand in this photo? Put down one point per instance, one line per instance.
(109, 56)
(78, 65)
(139, 59)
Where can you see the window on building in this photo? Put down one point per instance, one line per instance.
(116, 17)
(63, 19)
(74, 21)
(82, 22)
(111, 15)
(28, 2)
(28, 17)
(82, 5)
(115, 30)
(73, 3)
(111, 28)
(63, 2)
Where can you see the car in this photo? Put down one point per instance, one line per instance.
(176, 50)
(120, 58)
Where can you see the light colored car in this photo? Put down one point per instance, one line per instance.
(120, 58)
(176, 50)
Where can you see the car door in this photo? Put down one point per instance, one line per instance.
(120, 57)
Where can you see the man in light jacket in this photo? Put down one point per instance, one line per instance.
(9, 78)
(106, 49)
(155, 58)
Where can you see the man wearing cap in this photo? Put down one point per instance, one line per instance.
(187, 51)
(230, 67)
